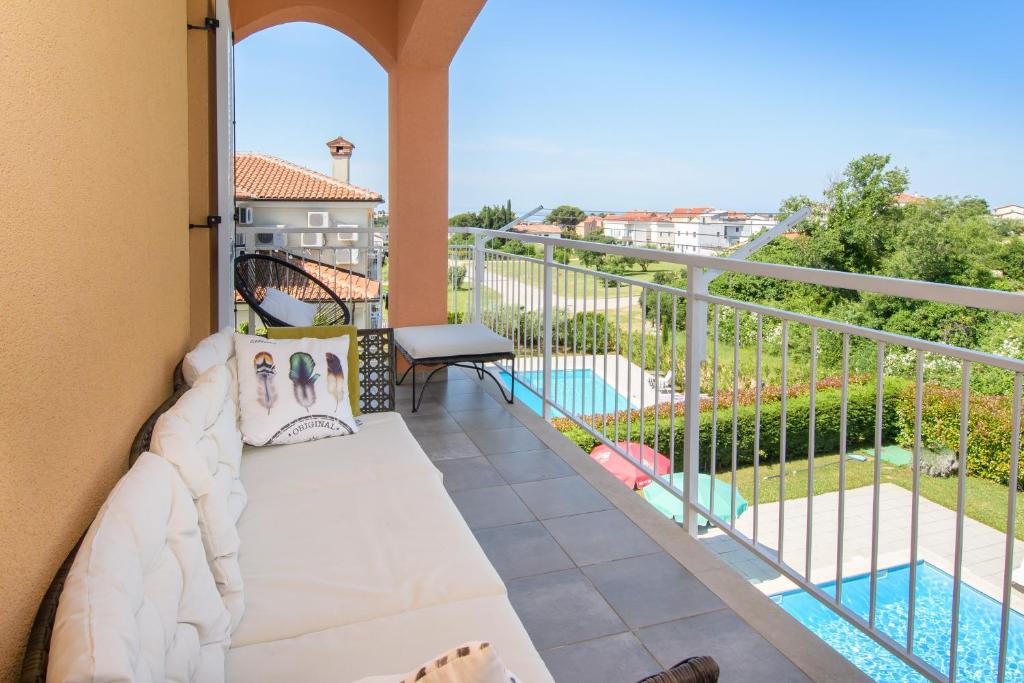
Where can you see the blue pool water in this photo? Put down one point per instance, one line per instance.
(580, 391)
(978, 642)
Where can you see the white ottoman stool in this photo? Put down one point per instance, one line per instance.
(461, 346)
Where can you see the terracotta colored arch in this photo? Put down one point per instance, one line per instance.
(414, 40)
(371, 24)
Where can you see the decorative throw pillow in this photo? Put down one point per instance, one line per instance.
(475, 662)
(287, 308)
(292, 390)
(327, 332)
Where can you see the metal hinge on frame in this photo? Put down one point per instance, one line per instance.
(211, 222)
(209, 24)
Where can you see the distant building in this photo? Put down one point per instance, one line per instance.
(699, 230)
(542, 229)
(908, 198)
(1014, 212)
(589, 225)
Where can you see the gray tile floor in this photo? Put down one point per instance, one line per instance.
(601, 600)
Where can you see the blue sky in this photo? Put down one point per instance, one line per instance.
(656, 104)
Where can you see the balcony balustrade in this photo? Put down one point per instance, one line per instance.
(622, 362)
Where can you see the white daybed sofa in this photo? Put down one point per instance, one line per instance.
(333, 560)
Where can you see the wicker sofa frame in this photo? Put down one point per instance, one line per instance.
(377, 384)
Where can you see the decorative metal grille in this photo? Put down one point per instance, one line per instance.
(377, 370)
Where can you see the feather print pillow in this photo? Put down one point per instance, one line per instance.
(292, 390)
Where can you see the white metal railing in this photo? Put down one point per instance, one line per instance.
(645, 349)
(347, 258)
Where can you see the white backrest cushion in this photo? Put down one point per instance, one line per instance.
(200, 437)
(287, 308)
(216, 349)
(140, 603)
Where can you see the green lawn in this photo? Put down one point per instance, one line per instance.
(986, 500)
(533, 272)
(462, 299)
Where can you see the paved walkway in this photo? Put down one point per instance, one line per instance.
(983, 546)
(566, 296)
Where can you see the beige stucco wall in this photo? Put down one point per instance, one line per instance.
(95, 283)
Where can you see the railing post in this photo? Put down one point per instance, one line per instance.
(478, 274)
(549, 257)
(696, 341)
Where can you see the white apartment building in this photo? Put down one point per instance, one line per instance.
(1014, 212)
(700, 230)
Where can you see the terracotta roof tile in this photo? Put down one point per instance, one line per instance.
(910, 198)
(649, 216)
(261, 176)
(695, 211)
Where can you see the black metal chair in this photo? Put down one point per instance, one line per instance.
(254, 273)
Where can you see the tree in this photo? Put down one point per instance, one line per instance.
(664, 277)
(566, 216)
(942, 241)
(489, 218)
(863, 216)
(594, 259)
(467, 219)
(1010, 258)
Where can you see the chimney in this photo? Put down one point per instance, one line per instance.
(341, 152)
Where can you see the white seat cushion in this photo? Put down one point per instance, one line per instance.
(323, 558)
(199, 436)
(446, 341)
(395, 643)
(140, 603)
(382, 449)
(287, 308)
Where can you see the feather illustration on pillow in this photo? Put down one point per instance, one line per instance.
(336, 386)
(303, 378)
(263, 365)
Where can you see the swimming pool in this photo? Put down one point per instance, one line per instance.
(978, 642)
(582, 392)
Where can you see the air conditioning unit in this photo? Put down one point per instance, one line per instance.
(318, 220)
(244, 214)
(312, 239)
(347, 236)
(266, 240)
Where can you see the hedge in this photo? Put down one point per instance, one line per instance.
(988, 429)
(860, 427)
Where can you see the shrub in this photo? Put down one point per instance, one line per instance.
(988, 429)
(456, 276)
(860, 427)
